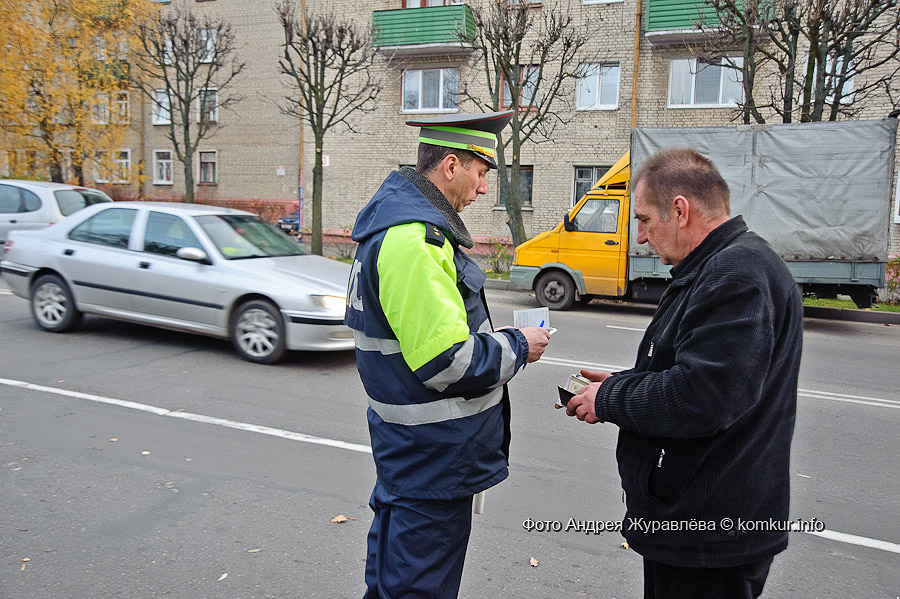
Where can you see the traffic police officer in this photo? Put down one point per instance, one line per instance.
(432, 365)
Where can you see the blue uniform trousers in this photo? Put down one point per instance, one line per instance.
(417, 547)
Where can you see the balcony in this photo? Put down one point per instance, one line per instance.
(672, 22)
(423, 31)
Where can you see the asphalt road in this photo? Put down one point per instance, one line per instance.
(220, 478)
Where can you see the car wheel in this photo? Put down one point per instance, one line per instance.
(257, 332)
(556, 290)
(52, 305)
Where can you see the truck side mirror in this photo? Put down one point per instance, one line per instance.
(567, 224)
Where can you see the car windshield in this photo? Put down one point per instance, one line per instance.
(244, 236)
(73, 200)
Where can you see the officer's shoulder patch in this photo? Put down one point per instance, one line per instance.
(434, 235)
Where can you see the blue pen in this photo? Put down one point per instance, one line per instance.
(542, 324)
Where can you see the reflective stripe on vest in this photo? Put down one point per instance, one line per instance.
(440, 410)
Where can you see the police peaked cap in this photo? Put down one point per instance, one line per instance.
(476, 133)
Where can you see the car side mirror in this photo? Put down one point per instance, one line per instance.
(193, 254)
(567, 224)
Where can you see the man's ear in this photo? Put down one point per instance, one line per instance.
(451, 164)
(682, 209)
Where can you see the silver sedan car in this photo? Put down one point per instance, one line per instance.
(201, 269)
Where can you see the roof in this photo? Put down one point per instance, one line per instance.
(184, 209)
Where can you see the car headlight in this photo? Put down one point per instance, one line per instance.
(332, 303)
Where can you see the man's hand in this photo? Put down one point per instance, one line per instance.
(583, 405)
(537, 338)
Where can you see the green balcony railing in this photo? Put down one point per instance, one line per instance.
(669, 15)
(432, 25)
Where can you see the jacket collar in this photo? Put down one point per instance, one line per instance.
(711, 244)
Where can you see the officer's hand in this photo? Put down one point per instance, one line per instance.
(537, 338)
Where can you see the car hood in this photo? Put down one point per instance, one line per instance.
(326, 274)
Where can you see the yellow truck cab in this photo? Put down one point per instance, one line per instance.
(587, 253)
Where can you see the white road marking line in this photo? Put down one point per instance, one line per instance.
(243, 426)
(857, 399)
(612, 326)
(5, 292)
(843, 537)
(294, 436)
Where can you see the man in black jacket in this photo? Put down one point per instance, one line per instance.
(707, 413)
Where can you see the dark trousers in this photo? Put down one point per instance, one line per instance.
(662, 581)
(417, 547)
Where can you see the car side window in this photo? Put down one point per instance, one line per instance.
(111, 227)
(166, 234)
(32, 202)
(10, 199)
(598, 216)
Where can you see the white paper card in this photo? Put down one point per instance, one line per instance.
(535, 317)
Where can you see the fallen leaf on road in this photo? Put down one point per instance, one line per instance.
(254, 550)
(533, 562)
(145, 453)
(114, 439)
(62, 381)
(341, 518)
(223, 577)
(26, 559)
(624, 546)
(23, 568)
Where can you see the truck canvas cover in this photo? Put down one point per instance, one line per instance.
(814, 191)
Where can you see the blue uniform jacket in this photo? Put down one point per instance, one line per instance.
(433, 369)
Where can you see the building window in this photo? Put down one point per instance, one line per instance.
(117, 172)
(100, 110)
(162, 111)
(424, 3)
(208, 106)
(526, 182)
(698, 83)
(99, 48)
(208, 167)
(167, 52)
(431, 90)
(585, 177)
(123, 108)
(528, 75)
(598, 87)
(162, 167)
(207, 46)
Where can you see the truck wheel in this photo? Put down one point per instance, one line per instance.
(52, 305)
(556, 290)
(257, 332)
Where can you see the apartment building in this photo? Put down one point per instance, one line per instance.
(257, 152)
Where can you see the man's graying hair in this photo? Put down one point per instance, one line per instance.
(682, 171)
(430, 155)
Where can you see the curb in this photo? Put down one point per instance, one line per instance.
(888, 318)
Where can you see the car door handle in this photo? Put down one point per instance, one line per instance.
(611, 242)
(13, 221)
(144, 265)
(69, 252)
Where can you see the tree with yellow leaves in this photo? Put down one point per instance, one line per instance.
(64, 83)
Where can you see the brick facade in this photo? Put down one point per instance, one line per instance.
(259, 148)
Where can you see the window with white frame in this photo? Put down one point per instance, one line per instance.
(598, 87)
(100, 110)
(207, 46)
(208, 106)
(162, 167)
(167, 52)
(116, 172)
(424, 3)
(528, 76)
(697, 83)
(585, 177)
(209, 163)
(833, 69)
(123, 108)
(99, 48)
(162, 107)
(430, 90)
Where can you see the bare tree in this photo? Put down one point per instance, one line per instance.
(529, 58)
(827, 56)
(187, 64)
(330, 65)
